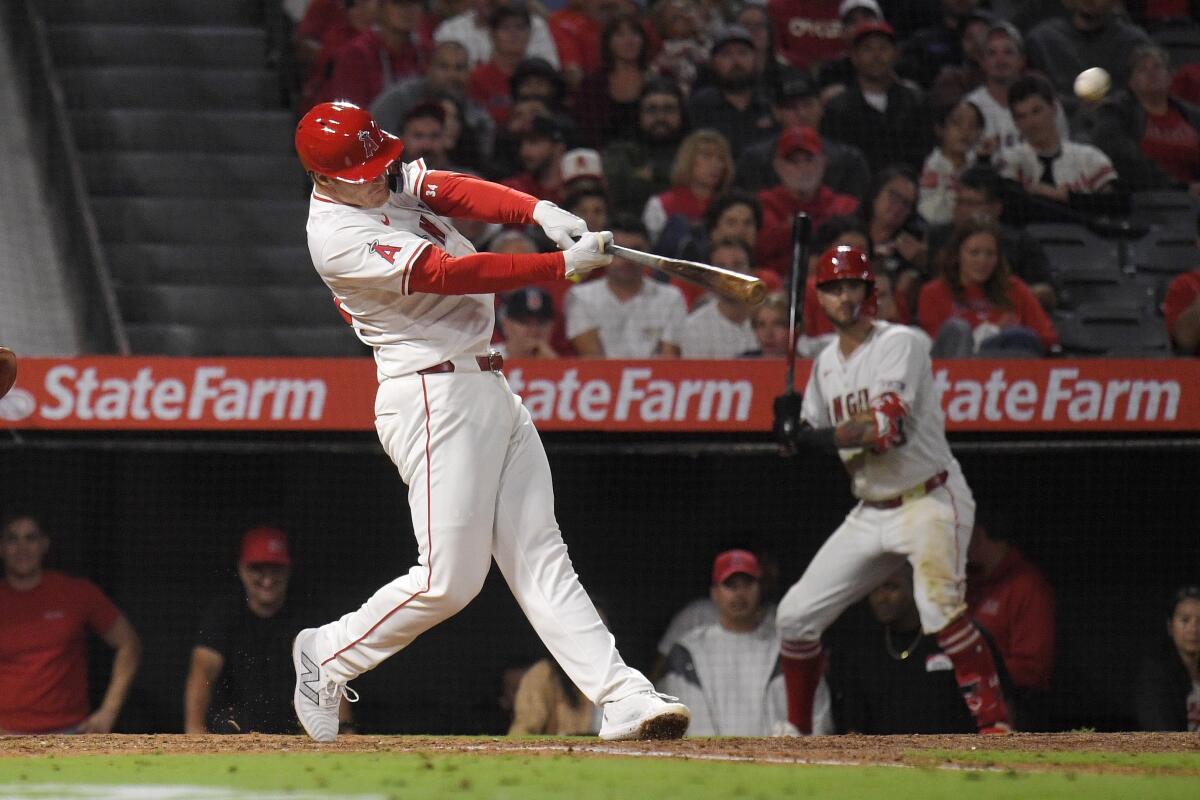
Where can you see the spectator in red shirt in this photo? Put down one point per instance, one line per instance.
(1181, 308)
(379, 57)
(1011, 598)
(702, 170)
(807, 32)
(489, 84)
(327, 26)
(541, 155)
(978, 305)
(43, 637)
(576, 30)
(800, 164)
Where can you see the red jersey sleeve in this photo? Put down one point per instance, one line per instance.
(935, 305)
(437, 272)
(452, 194)
(1031, 313)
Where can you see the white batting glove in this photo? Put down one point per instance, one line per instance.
(588, 254)
(562, 227)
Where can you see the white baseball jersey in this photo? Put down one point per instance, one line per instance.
(467, 30)
(1079, 167)
(892, 359)
(707, 333)
(631, 328)
(938, 188)
(696, 614)
(998, 120)
(365, 256)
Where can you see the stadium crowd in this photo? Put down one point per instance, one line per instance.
(931, 132)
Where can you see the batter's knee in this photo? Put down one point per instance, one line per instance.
(795, 623)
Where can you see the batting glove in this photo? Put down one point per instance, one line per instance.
(562, 227)
(588, 254)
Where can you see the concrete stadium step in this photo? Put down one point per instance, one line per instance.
(276, 340)
(179, 175)
(227, 265)
(145, 87)
(211, 131)
(191, 221)
(223, 305)
(144, 45)
(150, 12)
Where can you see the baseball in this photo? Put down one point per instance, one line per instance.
(1092, 84)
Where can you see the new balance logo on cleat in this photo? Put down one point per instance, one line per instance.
(309, 678)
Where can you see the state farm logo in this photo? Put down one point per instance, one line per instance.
(17, 405)
(207, 394)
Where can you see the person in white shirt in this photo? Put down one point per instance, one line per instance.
(871, 399)
(727, 672)
(1046, 164)
(626, 315)
(1003, 63)
(721, 328)
(470, 28)
(958, 129)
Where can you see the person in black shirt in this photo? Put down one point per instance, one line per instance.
(241, 676)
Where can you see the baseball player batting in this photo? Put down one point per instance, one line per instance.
(479, 484)
(871, 398)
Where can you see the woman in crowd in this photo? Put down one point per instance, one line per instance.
(1167, 690)
(895, 228)
(606, 106)
(978, 305)
(703, 169)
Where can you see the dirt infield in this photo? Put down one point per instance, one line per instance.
(922, 751)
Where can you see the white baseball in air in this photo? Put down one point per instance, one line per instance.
(1092, 84)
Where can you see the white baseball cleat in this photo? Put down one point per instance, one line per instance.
(317, 697)
(645, 715)
(784, 728)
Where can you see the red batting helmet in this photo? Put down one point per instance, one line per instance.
(342, 141)
(846, 263)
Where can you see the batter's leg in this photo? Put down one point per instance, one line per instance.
(849, 564)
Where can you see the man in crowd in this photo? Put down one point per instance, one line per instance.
(45, 616)
(378, 57)
(625, 315)
(720, 328)
(635, 171)
(736, 107)
(470, 29)
(930, 49)
(541, 156)
(526, 319)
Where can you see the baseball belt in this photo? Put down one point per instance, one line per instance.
(912, 494)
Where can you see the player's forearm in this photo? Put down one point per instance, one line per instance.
(125, 666)
(451, 194)
(197, 698)
(437, 272)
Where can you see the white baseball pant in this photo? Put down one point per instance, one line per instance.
(932, 532)
(479, 487)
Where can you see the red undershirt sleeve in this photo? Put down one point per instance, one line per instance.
(451, 194)
(437, 272)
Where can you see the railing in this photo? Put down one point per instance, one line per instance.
(93, 299)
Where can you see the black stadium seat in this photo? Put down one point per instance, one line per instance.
(1118, 330)
(1169, 250)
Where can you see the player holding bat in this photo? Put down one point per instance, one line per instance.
(479, 483)
(871, 398)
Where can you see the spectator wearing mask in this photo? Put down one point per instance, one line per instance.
(1167, 689)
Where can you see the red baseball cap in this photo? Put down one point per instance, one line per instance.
(732, 562)
(868, 27)
(265, 546)
(799, 137)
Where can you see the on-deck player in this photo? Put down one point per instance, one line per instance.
(479, 483)
(871, 397)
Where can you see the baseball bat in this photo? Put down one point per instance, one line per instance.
(8, 370)
(727, 283)
(801, 236)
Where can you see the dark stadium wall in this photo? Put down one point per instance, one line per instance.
(158, 529)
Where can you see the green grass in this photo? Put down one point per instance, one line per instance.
(1156, 762)
(408, 775)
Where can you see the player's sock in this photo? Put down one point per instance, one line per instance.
(975, 672)
(801, 663)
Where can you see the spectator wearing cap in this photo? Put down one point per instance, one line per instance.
(800, 164)
(445, 80)
(798, 102)
(1092, 35)
(606, 105)
(541, 154)
(625, 315)
(527, 322)
(514, 241)
(490, 81)
(639, 169)
(727, 672)
(45, 617)
(703, 169)
(583, 187)
(1003, 64)
(472, 30)
(809, 32)
(836, 73)
(720, 328)
(381, 56)
(737, 106)
(241, 676)
(940, 45)
(883, 116)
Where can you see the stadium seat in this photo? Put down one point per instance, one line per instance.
(1116, 330)
(1173, 208)
(229, 265)
(220, 306)
(274, 340)
(1166, 250)
(1103, 286)
(1181, 41)
(1072, 249)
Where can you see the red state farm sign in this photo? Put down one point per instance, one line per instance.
(338, 394)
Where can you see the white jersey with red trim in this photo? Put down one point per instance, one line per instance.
(365, 256)
(892, 359)
(1078, 167)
